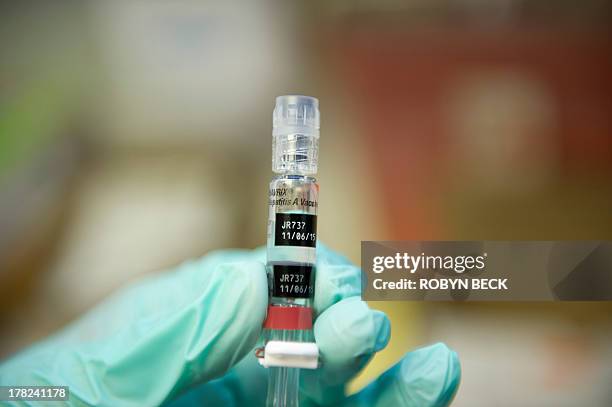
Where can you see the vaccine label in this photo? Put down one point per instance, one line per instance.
(295, 229)
(293, 281)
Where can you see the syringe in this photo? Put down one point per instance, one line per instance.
(291, 256)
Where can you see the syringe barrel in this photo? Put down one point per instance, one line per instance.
(292, 223)
(292, 239)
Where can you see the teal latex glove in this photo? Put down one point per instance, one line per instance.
(187, 336)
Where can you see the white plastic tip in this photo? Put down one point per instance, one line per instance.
(303, 355)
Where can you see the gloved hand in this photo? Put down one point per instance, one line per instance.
(187, 336)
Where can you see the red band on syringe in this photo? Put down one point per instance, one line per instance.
(290, 318)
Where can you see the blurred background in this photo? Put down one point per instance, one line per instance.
(135, 134)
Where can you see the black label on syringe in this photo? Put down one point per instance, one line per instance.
(293, 281)
(295, 229)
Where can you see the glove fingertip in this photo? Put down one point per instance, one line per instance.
(247, 285)
(232, 309)
(427, 377)
(431, 374)
(350, 330)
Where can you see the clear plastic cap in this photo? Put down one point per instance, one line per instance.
(295, 131)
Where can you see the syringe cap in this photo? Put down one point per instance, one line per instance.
(295, 128)
(296, 114)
